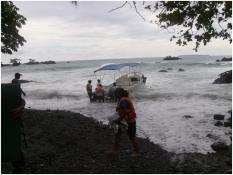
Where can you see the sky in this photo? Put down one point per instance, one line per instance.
(61, 31)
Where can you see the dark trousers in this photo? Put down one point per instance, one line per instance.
(90, 96)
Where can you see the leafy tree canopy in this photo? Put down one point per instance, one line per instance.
(197, 21)
(15, 60)
(11, 22)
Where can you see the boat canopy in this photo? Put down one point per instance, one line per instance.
(115, 66)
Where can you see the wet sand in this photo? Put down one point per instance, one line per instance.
(66, 142)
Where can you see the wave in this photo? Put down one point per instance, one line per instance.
(140, 95)
(45, 95)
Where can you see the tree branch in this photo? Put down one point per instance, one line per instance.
(118, 7)
(135, 7)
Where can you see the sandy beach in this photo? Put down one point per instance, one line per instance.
(66, 142)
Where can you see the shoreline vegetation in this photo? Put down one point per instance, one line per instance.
(66, 142)
(31, 62)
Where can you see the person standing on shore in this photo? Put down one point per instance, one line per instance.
(12, 112)
(89, 90)
(111, 91)
(16, 80)
(126, 111)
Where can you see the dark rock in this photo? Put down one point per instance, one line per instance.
(227, 124)
(181, 70)
(218, 123)
(225, 77)
(163, 71)
(187, 116)
(169, 68)
(171, 58)
(212, 136)
(226, 59)
(219, 146)
(219, 117)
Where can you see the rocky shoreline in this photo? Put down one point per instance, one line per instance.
(66, 142)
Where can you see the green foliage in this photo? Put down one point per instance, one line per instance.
(11, 22)
(197, 21)
(32, 60)
(15, 60)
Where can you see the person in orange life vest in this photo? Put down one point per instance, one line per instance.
(126, 111)
(89, 90)
(99, 92)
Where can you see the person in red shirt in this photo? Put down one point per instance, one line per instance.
(89, 90)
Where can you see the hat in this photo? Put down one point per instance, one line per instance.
(18, 74)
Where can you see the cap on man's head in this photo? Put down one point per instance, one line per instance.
(17, 74)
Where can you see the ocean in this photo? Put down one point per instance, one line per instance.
(160, 105)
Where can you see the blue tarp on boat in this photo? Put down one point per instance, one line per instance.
(115, 66)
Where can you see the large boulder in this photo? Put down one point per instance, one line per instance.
(187, 116)
(219, 117)
(226, 59)
(225, 77)
(181, 70)
(219, 146)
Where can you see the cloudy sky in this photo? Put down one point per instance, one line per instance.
(61, 31)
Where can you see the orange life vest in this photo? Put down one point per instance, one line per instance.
(99, 89)
(89, 88)
(131, 114)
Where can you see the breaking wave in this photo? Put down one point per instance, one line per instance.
(45, 95)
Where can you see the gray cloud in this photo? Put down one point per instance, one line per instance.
(60, 31)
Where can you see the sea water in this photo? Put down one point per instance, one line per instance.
(160, 105)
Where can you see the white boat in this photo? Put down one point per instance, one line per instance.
(125, 75)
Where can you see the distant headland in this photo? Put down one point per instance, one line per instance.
(16, 62)
(172, 58)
